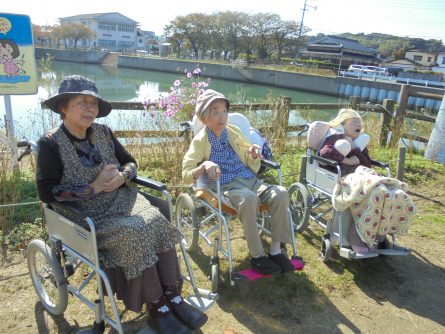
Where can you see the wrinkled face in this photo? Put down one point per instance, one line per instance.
(353, 127)
(216, 119)
(81, 111)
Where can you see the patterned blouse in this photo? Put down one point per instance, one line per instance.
(228, 161)
(50, 168)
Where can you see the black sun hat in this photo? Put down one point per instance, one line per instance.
(73, 85)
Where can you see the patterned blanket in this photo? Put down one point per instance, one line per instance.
(379, 204)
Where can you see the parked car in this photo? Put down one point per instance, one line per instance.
(375, 70)
(356, 68)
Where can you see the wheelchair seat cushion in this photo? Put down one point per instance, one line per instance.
(212, 198)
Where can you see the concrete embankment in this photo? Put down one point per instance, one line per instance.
(374, 91)
(72, 55)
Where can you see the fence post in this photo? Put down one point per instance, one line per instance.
(282, 119)
(402, 104)
(386, 121)
(401, 163)
(355, 102)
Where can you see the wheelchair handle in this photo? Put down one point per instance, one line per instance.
(149, 183)
(329, 162)
(271, 164)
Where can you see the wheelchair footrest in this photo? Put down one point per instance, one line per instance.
(350, 254)
(201, 303)
(252, 275)
(396, 251)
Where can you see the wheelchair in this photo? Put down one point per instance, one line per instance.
(202, 213)
(311, 199)
(51, 263)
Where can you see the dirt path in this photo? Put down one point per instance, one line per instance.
(384, 295)
(381, 295)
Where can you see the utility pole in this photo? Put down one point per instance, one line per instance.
(304, 9)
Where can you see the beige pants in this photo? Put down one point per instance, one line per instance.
(246, 195)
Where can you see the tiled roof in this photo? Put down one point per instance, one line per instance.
(346, 42)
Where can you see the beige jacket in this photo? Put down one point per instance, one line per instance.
(200, 149)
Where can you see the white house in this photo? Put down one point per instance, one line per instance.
(425, 58)
(114, 31)
(440, 64)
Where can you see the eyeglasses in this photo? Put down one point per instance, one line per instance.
(84, 103)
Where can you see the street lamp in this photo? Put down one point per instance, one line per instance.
(341, 56)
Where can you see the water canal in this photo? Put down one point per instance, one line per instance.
(125, 84)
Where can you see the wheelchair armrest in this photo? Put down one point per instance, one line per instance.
(329, 162)
(149, 183)
(379, 164)
(70, 208)
(270, 164)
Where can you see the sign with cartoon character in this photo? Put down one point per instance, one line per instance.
(18, 74)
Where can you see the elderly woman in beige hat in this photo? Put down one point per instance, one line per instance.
(82, 162)
(378, 204)
(220, 150)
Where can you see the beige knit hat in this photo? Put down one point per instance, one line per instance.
(204, 100)
(343, 115)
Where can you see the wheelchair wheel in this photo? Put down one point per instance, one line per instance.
(326, 249)
(300, 206)
(187, 220)
(214, 276)
(47, 277)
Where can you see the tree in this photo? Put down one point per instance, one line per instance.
(230, 27)
(263, 24)
(76, 32)
(175, 36)
(281, 32)
(399, 54)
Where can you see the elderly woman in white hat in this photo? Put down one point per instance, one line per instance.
(82, 161)
(220, 150)
(378, 205)
(346, 143)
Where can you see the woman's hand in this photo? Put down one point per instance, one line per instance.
(212, 169)
(106, 175)
(254, 151)
(114, 183)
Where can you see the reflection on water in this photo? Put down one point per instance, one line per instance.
(124, 84)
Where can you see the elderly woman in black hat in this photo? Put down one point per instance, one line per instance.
(82, 161)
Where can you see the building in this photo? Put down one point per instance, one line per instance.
(146, 40)
(114, 31)
(425, 58)
(336, 50)
(440, 63)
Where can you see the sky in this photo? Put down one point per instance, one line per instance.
(412, 18)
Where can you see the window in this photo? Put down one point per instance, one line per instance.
(107, 44)
(125, 44)
(429, 59)
(125, 27)
(107, 26)
(417, 58)
(443, 60)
